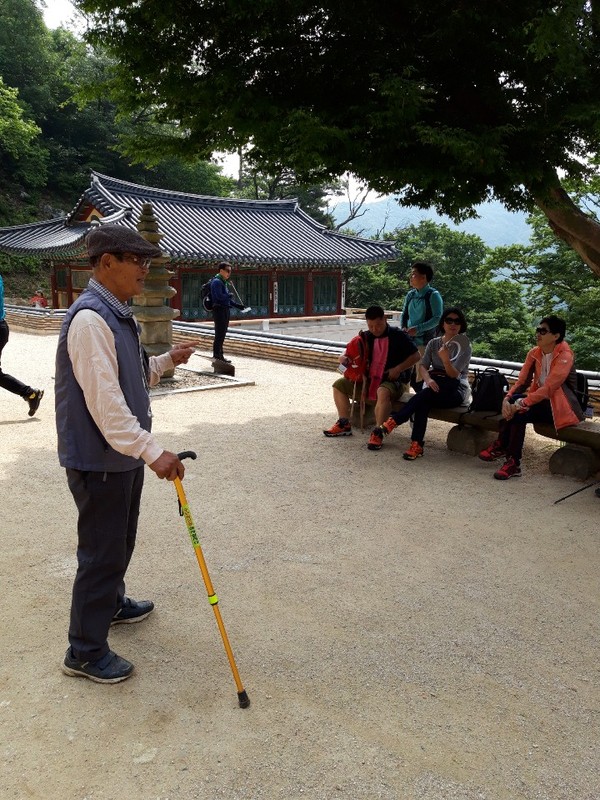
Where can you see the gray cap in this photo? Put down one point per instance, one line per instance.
(118, 239)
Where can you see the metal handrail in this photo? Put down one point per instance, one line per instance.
(508, 368)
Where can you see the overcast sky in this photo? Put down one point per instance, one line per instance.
(58, 12)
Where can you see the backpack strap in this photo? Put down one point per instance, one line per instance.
(404, 318)
(428, 311)
(427, 298)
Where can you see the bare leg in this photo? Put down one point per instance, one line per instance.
(342, 403)
(383, 407)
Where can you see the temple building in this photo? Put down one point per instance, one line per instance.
(285, 263)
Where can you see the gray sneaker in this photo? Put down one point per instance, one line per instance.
(111, 668)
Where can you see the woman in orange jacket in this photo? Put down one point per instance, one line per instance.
(543, 392)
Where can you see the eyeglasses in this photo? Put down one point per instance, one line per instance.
(542, 331)
(452, 320)
(144, 263)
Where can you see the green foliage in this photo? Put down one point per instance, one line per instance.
(555, 280)
(284, 184)
(466, 274)
(467, 277)
(372, 285)
(20, 153)
(444, 102)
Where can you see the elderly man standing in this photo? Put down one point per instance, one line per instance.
(103, 419)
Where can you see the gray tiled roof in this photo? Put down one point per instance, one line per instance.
(197, 228)
(50, 238)
(43, 238)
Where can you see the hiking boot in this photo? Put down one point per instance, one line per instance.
(510, 469)
(414, 451)
(376, 440)
(493, 452)
(340, 428)
(34, 400)
(111, 668)
(389, 425)
(132, 611)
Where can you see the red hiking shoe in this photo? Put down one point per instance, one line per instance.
(510, 469)
(414, 451)
(376, 440)
(340, 428)
(389, 425)
(493, 452)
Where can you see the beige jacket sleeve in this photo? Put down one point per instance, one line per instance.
(91, 348)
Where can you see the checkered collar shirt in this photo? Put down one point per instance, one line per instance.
(122, 308)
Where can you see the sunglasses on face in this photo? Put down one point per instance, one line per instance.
(452, 320)
(542, 331)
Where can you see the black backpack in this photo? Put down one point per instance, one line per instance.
(488, 389)
(582, 390)
(205, 296)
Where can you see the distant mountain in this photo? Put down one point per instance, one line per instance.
(495, 226)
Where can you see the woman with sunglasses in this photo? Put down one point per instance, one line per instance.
(543, 392)
(445, 372)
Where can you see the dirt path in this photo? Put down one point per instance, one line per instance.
(404, 630)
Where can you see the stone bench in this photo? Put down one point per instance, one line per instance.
(473, 431)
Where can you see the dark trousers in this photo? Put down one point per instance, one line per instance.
(512, 431)
(418, 406)
(108, 505)
(7, 381)
(221, 318)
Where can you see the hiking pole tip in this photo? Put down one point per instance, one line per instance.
(243, 699)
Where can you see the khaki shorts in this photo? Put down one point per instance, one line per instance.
(346, 387)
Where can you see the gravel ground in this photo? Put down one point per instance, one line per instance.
(405, 631)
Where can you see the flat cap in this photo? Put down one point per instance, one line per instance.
(118, 239)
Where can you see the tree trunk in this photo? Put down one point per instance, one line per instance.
(580, 231)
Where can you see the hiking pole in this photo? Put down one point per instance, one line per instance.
(560, 499)
(237, 294)
(184, 511)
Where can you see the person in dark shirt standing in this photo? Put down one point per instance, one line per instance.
(222, 302)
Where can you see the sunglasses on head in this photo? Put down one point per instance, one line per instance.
(452, 320)
(542, 331)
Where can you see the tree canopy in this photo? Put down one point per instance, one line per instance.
(467, 276)
(449, 102)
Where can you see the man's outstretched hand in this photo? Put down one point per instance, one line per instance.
(180, 354)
